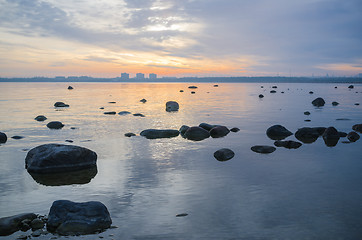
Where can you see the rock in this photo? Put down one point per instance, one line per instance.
(196, 133)
(343, 119)
(110, 113)
(281, 92)
(274, 87)
(311, 92)
(224, 154)
(273, 91)
(3, 137)
(112, 102)
(68, 140)
(182, 215)
(263, 149)
(129, 134)
(287, 144)
(357, 128)
(235, 129)
(309, 134)
(278, 132)
(60, 104)
(9, 225)
(357, 104)
(353, 136)
(37, 224)
(307, 113)
(207, 126)
(350, 86)
(342, 134)
(40, 118)
(192, 92)
(159, 133)
(143, 100)
(52, 158)
(70, 87)
(183, 129)
(17, 137)
(181, 90)
(261, 95)
(307, 120)
(192, 87)
(331, 136)
(216, 85)
(172, 106)
(139, 115)
(335, 103)
(318, 102)
(219, 131)
(72, 218)
(101, 108)
(37, 233)
(55, 125)
(124, 113)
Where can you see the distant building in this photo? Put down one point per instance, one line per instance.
(140, 76)
(153, 76)
(359, 75)
(124, 76)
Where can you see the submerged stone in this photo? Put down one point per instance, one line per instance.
(263, 149)
(159, 133)
(60, 104)
(287, 144)
(40, 118)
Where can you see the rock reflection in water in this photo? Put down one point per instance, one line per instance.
(68, 178)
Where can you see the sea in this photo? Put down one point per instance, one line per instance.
(313, 192)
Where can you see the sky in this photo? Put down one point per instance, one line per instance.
(180, 38)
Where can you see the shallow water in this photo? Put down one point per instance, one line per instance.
(313, 192)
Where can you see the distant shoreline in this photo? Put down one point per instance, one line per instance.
(193, 79)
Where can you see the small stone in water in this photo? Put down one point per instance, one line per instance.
(182, 215)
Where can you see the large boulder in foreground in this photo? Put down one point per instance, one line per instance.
(172, 106)
(196, 133)
(9, 225)
(159, 133)
(56, 158)
(278, 132)
(318, 102)
(72, 218)
(3, 137)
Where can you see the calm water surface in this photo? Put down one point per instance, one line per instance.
(314, 192)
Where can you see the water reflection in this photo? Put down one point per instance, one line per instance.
(68, 178)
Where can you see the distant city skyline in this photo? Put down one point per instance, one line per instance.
(190, 38)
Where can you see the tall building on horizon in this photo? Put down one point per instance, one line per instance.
(140, 76)
(125, 76)
(152, 76)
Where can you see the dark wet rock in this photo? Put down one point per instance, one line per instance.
(172, 106)
(9, 225)
(73, 128)
(357, 104)
(182, 215)
(196, 133)
(311, 92)
(37, 224)
(129, 134)
(159, 133)
(331, 136)
(70, 88)
(235, 129)
(112, 102)
(278, 132)
(22, 237)
(124, 113)
(263, 149)
(307, 113)
(40, 118)
(343, 119)
(274, 87)
(353, 136)
(350, 86)
(17, 137)
(38, 233)
(72, 218)
(101, 108)
(318, 102)
(143, 100)
(281, 92)
(287, 144)
(138, 115)
(261, 95)
(60, 104)
(357, 128)
(192, 87)
(65, 178)
(216, 85)
(273, 91)
(207, 126)
(183, 129)
(110, 113)
(342, 134)
(68, 140)
(55, 125)
(181, 90)
(52, 158)
(307, 120)
(219, 131)
(309, 134)
(335, 87)
(224, 154)
(192, 92)
(335, 103)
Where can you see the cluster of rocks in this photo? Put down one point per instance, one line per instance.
(65, 218)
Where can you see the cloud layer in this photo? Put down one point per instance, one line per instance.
(180, 38)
